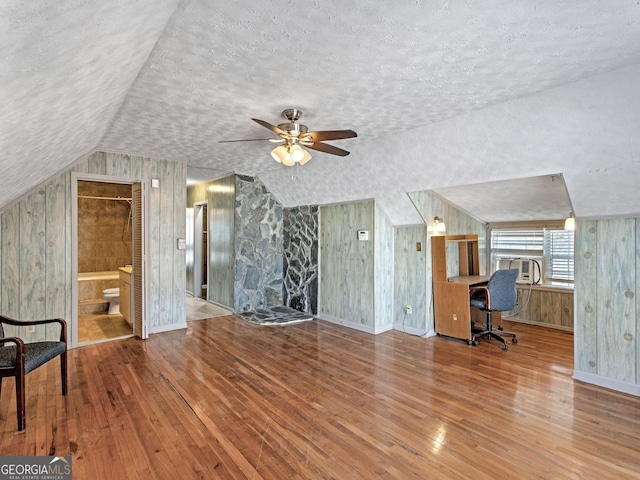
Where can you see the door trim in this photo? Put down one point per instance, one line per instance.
(198, 254)
(75, 177)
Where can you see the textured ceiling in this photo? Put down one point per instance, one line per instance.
(533, 198)
(442, 94)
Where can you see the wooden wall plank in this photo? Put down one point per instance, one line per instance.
(637, 295)
(33, 260)
(410, 275)
(550, 308)
(566, 318)
(546, 307)
(11, 285)
(67, 217)
(616, 305)
(383, 269)
(165, 243)
(135, 167)
(178, 281)
(98, 163)
(522, 310)
(150, 168)
(1, 266)
(81, 167)
(346, 263)
(57, 288)
(117, 165)
(220, 196)
(586, 296)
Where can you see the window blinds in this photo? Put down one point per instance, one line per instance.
(554, 248)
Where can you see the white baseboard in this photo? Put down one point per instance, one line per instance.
(356, 326)
(418, 332)
(380, 329)
(617, 385)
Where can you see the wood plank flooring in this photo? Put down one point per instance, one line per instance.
(231, 400)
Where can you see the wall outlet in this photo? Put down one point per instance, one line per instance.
(30, 329)
(408, 310)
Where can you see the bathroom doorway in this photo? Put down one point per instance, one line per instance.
(104, 222)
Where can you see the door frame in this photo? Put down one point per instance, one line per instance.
(91, 177)
(198, 254)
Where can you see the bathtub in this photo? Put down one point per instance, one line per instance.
(91, 285)
(92, 276)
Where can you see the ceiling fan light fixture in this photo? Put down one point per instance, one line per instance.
(279, 154)
(295, 136)
(288, 161)
(297, 153)
(306, 158)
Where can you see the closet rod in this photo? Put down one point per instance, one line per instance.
(105, 198)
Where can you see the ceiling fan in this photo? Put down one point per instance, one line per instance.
(295, 136)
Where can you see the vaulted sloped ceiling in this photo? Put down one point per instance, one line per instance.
(442, 94)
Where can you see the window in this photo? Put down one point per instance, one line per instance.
(558, 248)
(551, 249)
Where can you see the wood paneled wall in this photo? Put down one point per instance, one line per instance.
(545, 307)
(410, 277)
(457, 223)
(220, 195)
(383, 270)
(36, 243)
(607, 291)
(347, 264)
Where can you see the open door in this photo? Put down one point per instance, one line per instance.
(139, 262)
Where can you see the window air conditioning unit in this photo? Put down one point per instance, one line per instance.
(529, 270)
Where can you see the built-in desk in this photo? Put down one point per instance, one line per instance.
(470, 280)
(453, 314)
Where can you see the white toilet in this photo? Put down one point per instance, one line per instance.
(112, 295)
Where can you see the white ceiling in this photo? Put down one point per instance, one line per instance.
(442, 94)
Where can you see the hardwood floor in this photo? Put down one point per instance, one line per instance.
(232, 400)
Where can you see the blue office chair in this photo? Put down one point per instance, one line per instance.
(499, 295)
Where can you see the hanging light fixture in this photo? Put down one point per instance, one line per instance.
(289, 155)
(570, 222)
(439, 225)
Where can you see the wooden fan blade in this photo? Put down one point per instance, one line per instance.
(329, 135)
(246, 140)
(273, 128)
(326, 148)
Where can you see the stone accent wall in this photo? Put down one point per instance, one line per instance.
(300, 290)
(258, 246)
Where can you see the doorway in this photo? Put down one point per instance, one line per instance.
(104, 295)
